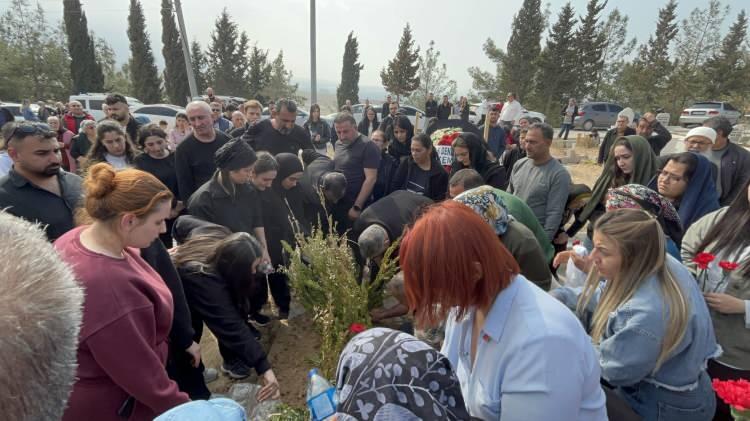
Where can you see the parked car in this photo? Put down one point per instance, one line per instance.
(92, 103)
(596, 114)
(407, 110)
(302, 116)
(227, 100)
(157, 112)
(15, 109)
(702, 111)
(475, 114)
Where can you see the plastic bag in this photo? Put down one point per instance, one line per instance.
(244, 394)
(575, 277)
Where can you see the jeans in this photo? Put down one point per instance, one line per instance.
(565, 129)
(658, 404)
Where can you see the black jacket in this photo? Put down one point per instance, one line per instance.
(263, 137)
(210, 300)
(385, 110)
(386, 171)
(734, 173)
(430, 108)
(660, 139)
(444, 111)
(364, 126)
(240, 213)
(322, 128)
(399, 151)
(392, 212)
(437, 188)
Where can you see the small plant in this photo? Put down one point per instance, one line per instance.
(287, 413)
(388, 268)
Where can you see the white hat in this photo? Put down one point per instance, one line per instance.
(701, 131)
(627, 112)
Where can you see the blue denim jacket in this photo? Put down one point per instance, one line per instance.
(218, 409)
(632, 340)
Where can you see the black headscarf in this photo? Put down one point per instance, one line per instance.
(288, 164)
(234, 155)
(384, 374)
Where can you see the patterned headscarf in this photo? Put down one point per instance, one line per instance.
(385, 374)
(636, 196)
(489, 205)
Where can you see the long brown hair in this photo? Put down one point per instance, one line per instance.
(98, 151)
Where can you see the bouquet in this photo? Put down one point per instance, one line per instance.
(703, 260)
(443, 139)
(736, 394)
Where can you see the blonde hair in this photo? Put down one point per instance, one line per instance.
(641, 244)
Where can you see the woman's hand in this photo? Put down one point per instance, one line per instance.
(724, 303)
(195, 353)
(270, 389)
(583, 264)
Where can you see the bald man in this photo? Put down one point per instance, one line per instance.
(75, 116)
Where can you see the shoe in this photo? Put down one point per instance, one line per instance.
(236, 370)
(283, 314)
(210, 375)
(260, 319)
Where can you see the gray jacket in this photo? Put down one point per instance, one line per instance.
(735, 170)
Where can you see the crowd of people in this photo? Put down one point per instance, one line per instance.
(156, 234)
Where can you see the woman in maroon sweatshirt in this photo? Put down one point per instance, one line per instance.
(127, 312)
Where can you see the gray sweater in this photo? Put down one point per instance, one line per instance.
(544, 188)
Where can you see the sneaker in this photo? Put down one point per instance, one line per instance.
(260, 319)
(210, 375)
(236, 370)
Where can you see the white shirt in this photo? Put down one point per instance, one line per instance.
(534, 361)
(511, 111)
(118, 162)
(6, 163)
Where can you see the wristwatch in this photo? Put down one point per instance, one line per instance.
(357, 208)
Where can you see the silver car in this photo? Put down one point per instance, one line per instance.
(596, 114)
(702, 111)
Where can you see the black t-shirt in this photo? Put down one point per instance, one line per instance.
(271, 140)
(419, 180)
(352, 159)
(392, 212)
(163, 169)
(194, 163)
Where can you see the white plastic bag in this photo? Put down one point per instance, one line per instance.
(244, 394)
(575, 277)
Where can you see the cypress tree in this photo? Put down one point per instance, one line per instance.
(198, 58)
(259, 74)
(400, 77)
(349, 86)
(85, 71)
(226, 57)
(590, 41)
(557, 63)
(519, 64)
(728, 67)
(175, 75)
(145, 78)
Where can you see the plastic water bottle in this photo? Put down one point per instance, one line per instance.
(321, 398)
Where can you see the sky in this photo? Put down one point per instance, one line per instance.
(459, 28)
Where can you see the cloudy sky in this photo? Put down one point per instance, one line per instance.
(459, 28)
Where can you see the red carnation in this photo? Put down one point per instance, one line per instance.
(728, 266)
(735, 393)
(356, 328)
(703, 259)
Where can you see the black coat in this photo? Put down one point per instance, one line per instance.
(393, 212)
(364, 125)
(437, 188)
(386, 171)
(263, 137)
(240, 213)
(430, 108)
(444, 111)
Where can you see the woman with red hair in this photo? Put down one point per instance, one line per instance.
(512, 345)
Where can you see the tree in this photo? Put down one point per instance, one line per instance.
(143, 74)
(616, 49)
(85, 72)
(115, 80)
(519, 63)
(200, 65)
(557, 64)
(34, 65)
(729, 66)
(485, 82)
(589, 43)
(433, 77)
(400, 76)
(176, 84)
(227, 59)
(280, 81)
(349, 87)
(260, 74)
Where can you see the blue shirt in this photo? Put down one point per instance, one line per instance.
(534, 361)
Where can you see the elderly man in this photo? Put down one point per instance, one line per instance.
(210, 95)
(512, 110)
(358, 159)
(119, 111)
(540, 180)
(194, 157)
(238, 120)
(40, 317)
(653, 131)
(220, 123)
(75, 116)
(621, 129)
(279, 134)
(732, 160)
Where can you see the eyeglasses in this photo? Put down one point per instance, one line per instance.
(26, 129)
(671, 177)
(696, 143)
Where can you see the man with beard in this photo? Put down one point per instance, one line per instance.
(36, 188)
(74, 117)
(621, 129)
(279, 134)
(119, 111)
(194, 157)
(386, 126)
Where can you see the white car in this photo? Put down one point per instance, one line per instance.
(534, 116)
(15, 109)
(302, 116)
(158, 112)
(407, 110)
(92, 103)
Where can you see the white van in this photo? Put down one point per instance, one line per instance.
(92, 103)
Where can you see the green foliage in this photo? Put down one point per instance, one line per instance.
(280, 82)
(485, 82)
(730, 65)
(519, 63)
(143, 74)
(433, 77)
(350, 69)
(176, 86)
(200, 66)
(260, 74)
(227, 57)
(400, 76)
(85, 71)
(287, 413)
(589, 43)
(388, 268)
(616, 49)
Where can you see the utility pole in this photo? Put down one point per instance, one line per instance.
(186, 51)
(313, 75)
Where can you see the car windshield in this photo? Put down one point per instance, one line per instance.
(707, 105)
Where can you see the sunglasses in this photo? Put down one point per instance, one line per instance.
(24, 130)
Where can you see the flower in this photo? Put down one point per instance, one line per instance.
(703, 259)
(356, 328)
(728, 266)
(735, 393)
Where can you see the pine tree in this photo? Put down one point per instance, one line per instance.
(729, 67)
(485, 82)
(557, 64)
(433, 77)
(176, 85)
(85, 72)
(519, 63)
(280, 81)
(227, 61)
(260, 74)
(349, 86)
(616, 49)
(145, 78)
(200, 65)
(589, 43)
(400, 77)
